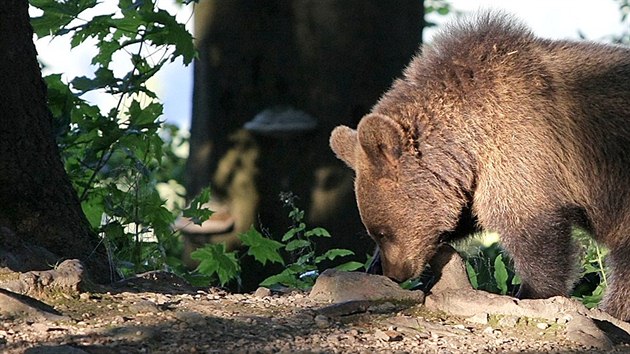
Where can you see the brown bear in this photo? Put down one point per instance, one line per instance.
(526, 136)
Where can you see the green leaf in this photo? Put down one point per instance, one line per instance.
(197, 212)
(296, 215)
(410, 284)
(167, 31)
(215, 260)
(293, 231)
(261, 248)
(57, 14)
(143, 117)
(350, 266)
(93, 209)
(472, 275)
(106, 49)
(297, 244)
(500, 274)
(305, 258)
(516, 280)
(331, 254)
(104, 78)
(287, 277)
(318, 231)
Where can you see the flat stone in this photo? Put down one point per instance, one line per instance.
(584, 331)
(581, 327)
(471, 302)
(339, 286)
(144, 306)
(17, 306)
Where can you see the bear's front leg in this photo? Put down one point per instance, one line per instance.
(544, 255)
(617, 299)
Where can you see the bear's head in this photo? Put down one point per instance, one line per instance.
(400, 200)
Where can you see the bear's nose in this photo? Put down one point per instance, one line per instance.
(397, 271)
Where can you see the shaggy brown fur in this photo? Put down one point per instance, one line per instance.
(531, 136)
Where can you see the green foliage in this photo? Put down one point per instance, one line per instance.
(214, 259)
(299, 243)
(296, 251)
(501, 274)
(438, 7)
(441, 7)
(489, 269)
(196, 211)
(115, 157)
(593, 282)
(261, 248)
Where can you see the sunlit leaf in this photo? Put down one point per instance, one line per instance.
(261, 248)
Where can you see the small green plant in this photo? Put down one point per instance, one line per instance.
(295, 251)
(490, 269)
(299, 244)
(590, 289)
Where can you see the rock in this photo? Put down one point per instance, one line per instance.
(564, 319)
(385, 307)
(488, 331)
(584, 331)
(54, 349)
(417, 325)
(508, 321)
(40, 327)
(262, 292)
(581, 327)
(345, 308)
(480, 318)
(468, 303)
(542, 325)
(450, 270)
(68, 276)
(322, 321)
(388, 335)
(17, 306)
(144, 306)
(338, 286)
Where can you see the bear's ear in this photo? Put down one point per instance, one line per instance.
(381, 138)
(343, 142)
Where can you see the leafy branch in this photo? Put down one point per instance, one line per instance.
(114, 156)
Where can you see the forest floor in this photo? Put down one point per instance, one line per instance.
(157, 313)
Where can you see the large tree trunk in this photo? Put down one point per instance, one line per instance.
(331, 59)
(41, 220)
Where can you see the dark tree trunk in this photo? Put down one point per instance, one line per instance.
(331, 59)
(41, 220)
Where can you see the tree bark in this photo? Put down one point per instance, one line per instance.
(40, 215)
(331, 59)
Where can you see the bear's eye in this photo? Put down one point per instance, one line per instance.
(380, 235)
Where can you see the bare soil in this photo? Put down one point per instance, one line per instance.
(157, 313)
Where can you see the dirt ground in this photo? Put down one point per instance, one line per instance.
(156, 313)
